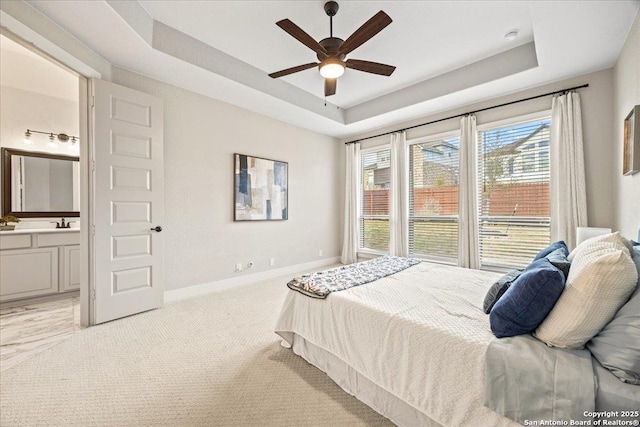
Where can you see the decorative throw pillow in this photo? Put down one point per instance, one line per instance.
(601, 279)
(617, 346)
(498, 289)
(552, 247)
(528, 300)
(558, 259)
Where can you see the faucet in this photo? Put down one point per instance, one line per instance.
(62, 224)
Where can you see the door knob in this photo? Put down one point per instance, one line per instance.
(158, 229)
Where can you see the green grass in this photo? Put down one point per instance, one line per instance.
(502, 245)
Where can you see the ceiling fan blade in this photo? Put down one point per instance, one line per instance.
(330, 86)
(299, 34)
(370, 67)
(293, 70)
(369, 29)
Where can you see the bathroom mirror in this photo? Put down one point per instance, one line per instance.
(40, 184)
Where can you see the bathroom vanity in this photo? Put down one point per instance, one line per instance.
(34, 260)
(37, 262)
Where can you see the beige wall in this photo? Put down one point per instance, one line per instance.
(597, 119)
(202, 242)
(626, 80)
(21, 110)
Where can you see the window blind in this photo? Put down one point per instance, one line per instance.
(433, 199)
(374, 203)
(513, 193)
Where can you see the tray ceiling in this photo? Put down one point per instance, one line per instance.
(448, 54)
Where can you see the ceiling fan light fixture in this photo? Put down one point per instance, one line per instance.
(331, 68)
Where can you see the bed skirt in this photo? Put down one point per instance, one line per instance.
(354, 383)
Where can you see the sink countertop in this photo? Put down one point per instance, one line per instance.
(39, 231)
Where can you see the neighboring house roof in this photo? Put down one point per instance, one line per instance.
(434, 148)
(514, 147)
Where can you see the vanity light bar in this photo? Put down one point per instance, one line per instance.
(62, 137)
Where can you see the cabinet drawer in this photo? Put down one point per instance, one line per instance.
(57, 239)
(28, 272)
(18, 241)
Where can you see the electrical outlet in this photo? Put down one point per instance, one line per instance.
(239, 266)
(272, 262)
(250, 264)
(320, 252)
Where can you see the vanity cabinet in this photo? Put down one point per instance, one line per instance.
(70, 265)
(28, 272)
(38, 263)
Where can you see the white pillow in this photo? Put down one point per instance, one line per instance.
(600, 281)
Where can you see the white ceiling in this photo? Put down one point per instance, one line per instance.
(23, 69)
(448, 54)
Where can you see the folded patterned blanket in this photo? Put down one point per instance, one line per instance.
(321, 284)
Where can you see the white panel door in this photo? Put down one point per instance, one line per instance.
(128, 203)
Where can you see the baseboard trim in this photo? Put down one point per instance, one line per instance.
(247, 279)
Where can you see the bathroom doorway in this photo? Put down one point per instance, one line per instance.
(44, 169)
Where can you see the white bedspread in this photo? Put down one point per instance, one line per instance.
(420, 334)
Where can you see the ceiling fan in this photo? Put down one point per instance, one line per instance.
(331, 52)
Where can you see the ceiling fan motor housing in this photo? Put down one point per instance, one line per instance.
(331, 45)
(331, 8)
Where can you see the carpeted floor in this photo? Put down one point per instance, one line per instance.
(208, 361)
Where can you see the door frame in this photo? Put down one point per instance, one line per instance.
(87, 161)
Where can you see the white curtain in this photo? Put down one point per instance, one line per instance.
(399, 209)
(468, 254)
(568, 194)
(350, 236)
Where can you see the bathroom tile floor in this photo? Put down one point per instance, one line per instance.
(29, 329)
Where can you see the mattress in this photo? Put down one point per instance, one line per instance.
(420, 335)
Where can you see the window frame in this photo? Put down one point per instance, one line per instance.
(368, 253)
(419, 140)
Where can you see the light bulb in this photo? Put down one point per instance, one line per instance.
(52, 141)
(27, 138)
(331, 68)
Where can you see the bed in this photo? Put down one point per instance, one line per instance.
(413, 350)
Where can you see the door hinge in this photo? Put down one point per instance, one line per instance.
(93, 230)
(93, 165)
(93, 101)
(93, 294)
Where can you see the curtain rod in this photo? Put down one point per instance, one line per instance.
(470, 112)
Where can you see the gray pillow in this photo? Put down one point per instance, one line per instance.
(498, 289)
(558, 259)
(617, 346)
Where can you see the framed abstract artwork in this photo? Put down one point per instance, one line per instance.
(261, 189)
(631, 147)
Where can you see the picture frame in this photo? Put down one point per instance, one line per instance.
(631, 147)
(261, 190)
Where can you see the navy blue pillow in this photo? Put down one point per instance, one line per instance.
(552, 247)
(528, 300)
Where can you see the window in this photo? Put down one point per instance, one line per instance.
(374, 202)
(433, 198)
(513, 207)
(528, 162)
(543, 160)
